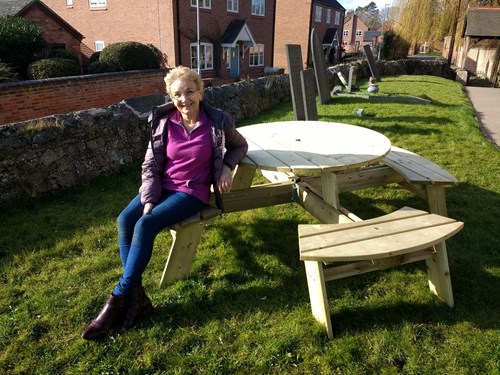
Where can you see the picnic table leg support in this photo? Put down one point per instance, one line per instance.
(243, 177)
(318, 295)
(438, 274)
(436, 200)
(184, 243)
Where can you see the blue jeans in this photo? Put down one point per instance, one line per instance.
(137, 232)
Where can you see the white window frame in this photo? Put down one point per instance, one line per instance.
(204, 4)
(97, 3)
(337, 17)
(206, 49)
(69, 3)
(359, 33)
(99, 45)
(328, 16)
(233, 6)
(227, 56)
(256, 55)
(258, 7)
(346, 33)
(318, 13)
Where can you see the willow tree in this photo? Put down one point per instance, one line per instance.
(431, 20)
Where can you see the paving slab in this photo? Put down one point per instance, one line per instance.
(486, 103)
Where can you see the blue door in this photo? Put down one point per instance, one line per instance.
(235, 61)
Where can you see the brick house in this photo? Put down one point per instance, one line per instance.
(354, 31)
(58, 33)
(296, 18)
(236, 37)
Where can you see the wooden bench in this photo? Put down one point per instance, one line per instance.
(186, 236)
(401, 237)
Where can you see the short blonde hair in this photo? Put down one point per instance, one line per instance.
(183, 72)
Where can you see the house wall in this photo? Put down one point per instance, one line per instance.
(353, 43)
(146, 21)
(294, 21)
(213, 24)
(292, 27)
(26, 100)
(321, 27)
(53, 32)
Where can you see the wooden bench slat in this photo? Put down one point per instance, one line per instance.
(417, 169)
(400, 232)
(382, 247)
(306, 230)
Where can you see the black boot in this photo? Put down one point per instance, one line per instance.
(113, 310)
(140, 304)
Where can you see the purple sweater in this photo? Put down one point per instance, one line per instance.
(189, 158)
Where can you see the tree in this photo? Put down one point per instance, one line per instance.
(21, 42)
(370, 15)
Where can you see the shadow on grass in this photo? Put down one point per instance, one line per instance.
(475, 287)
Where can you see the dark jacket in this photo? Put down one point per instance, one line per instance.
(228, 145)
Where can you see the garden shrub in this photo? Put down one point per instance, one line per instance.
(129, 56)
(97, 67)
(21, 42)
(7, 74)
(65, 54)
(94, 57)
(52, 68)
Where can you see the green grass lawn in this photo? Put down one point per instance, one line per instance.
(244, 309)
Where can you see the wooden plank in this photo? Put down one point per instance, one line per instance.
(314, 229)
(438, 275)
(416, 168)
(317, 207)
(379, 247)
(185, 242)
(318, 295)
(364, 266)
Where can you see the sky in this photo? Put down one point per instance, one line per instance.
(353, 4)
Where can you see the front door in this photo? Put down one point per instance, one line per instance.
(235, 61)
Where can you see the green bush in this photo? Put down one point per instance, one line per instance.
(7, 74)
(20, 42)
(394, 47)
(97, 67)
(160, 56)
(94, 57)
(52, 68)
(65, 54)
(129, 56)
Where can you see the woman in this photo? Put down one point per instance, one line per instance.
(193, 146)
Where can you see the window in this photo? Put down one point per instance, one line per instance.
(257, 55)
(337, 18)
(97, 3)
(69, 3)
(233, 6)
(359, 33)
(204, 4)
(99, 45)
(258, 7)
(206, 56)
(227, 57)
(318, 12)
(346, 32)
(328, 16)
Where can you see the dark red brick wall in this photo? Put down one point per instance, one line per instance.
(28, 100)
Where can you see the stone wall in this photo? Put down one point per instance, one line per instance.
(56, 152)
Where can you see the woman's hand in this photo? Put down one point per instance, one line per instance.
(226, 180)
(148, 207)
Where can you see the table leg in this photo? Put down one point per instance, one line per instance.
(243, 177)
(330, 189)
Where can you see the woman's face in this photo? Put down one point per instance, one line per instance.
(186, 96)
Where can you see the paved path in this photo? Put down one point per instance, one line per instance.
(486, 103)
